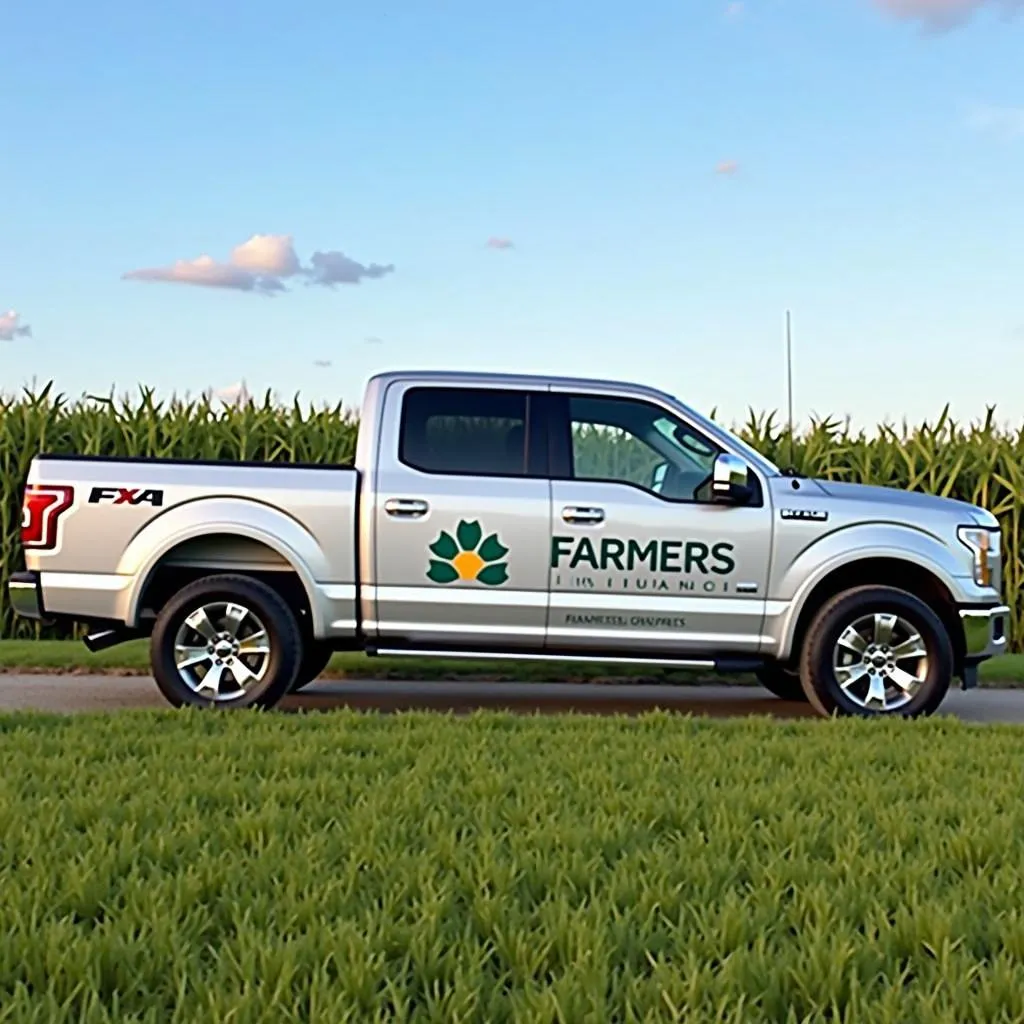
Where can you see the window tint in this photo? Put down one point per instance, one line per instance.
(459, 430)
(636, 443)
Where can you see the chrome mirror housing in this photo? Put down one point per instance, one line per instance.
(730, 481)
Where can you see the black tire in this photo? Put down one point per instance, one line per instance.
(315, 658)
(278, 667)
(817, 671)
(782, 682)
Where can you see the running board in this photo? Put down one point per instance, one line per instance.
(721, 664)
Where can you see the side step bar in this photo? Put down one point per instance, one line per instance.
(724, 664)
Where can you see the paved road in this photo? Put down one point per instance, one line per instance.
(69, 693)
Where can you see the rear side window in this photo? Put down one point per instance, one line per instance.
(465, 431)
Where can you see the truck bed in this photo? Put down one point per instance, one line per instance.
(120, 522)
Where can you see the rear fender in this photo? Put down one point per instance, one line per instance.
(238, 517)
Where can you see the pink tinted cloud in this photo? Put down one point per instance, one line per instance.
(11, 327)
(263, 264)
(267, 254)
(727, 167)
(941, 14)
(206, 271)
(499, 243)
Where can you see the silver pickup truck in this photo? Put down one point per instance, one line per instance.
(518, 517)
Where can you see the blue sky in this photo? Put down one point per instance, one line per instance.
(876, 193)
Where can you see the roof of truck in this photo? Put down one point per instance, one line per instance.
(517, 380)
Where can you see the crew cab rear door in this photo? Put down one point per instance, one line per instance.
(461, 517)
(641, 561)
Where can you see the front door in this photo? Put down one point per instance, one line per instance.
(641, 560)
(462, 519)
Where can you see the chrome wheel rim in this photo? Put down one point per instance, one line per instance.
(880, 662)
(222, 650)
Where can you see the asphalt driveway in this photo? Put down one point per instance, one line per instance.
(70, 693)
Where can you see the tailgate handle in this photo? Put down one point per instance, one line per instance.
(572, 514)
(405, 508)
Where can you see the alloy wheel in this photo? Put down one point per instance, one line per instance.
(221, 650)
(880, 662)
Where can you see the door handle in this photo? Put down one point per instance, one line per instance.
(405, 508)
(584, 516)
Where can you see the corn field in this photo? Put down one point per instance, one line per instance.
(977, 462)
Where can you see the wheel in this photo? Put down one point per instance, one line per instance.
(876, 652)
(784, 683)
(226, 641)
(315, 658)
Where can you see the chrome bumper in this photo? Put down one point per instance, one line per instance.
(986, 631)
(25, 595)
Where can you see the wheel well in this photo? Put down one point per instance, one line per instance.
(884, 572)
(215, 553)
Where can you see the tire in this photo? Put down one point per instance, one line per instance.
(315, 658)
(270, 667)
(914, 684)
(784, 683)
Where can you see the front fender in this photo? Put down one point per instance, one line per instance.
(797, 581)
(238, 517)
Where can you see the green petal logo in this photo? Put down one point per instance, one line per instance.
(468, 556)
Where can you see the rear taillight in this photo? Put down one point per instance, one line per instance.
(41, 509)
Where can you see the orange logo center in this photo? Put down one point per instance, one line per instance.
(467, 565)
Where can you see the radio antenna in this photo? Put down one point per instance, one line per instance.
(789, 380)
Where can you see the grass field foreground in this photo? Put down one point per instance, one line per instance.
(346, 867)
(63, 656)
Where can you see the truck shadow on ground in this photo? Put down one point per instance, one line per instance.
(537, 698)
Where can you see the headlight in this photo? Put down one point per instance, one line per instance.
(984, 545)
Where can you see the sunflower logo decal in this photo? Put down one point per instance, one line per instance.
(468, 556)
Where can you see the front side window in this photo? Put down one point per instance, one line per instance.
(464, 431)
(628, 441)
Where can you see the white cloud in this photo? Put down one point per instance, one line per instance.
(735, 10)
(263, 264)
(11, 327)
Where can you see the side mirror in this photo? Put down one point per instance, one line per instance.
(730, 480)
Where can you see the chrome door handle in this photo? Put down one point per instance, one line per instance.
(572, 514)
(405, 508)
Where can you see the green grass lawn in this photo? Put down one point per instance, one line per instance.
(72, 656)
(174, 867)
